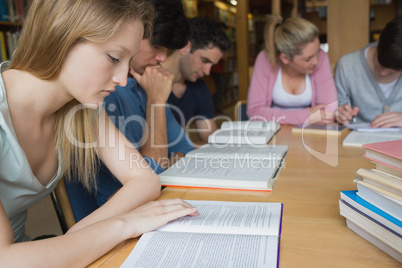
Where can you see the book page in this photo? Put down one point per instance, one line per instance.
(397, 197)
(270, 125)
(167, 249)
(380, 180)
(230, 218)
(358, 138)
(239, 151)
(241, 136)
(366, 127)
(204, 241)
(388, 175)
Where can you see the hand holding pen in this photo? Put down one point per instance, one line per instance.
(345, 114)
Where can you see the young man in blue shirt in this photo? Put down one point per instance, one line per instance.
(190, 97)
(139, 109)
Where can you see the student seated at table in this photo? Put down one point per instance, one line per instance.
(369, 81)
(292, 80)
(139, 109)
(71, 54)
(190, 99)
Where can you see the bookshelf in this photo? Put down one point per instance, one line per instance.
(226, 68)
(6, 26)
(229, 16)
(12, 13)
(362, 21)
(190, 8)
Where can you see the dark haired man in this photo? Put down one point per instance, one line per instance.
(139, 109)
(369, 81)
(190, 97)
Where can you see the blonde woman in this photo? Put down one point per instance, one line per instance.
(292, 80)
(72, 52)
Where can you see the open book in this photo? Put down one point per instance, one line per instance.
(358, 138)
(238, 166)
(366, 128)
(225, 234)
(244, 132)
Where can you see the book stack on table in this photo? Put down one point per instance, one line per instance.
(236, 157)
(374, 211)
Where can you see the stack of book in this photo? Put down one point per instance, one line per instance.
(374, 211)
(237, 157)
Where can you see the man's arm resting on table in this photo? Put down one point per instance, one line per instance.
(205, 127)
(388, 119)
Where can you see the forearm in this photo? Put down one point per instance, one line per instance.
(205, 128)
(175, 157)
(134, 193)
(76, 249)
(281, 116)
(155, 134)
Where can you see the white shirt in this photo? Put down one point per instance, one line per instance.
(284, 100)
(385, 87)
(19, 188)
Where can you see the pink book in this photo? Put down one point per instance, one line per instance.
(388, 153)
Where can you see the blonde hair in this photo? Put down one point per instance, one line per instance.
(287, 37)
(50, 29)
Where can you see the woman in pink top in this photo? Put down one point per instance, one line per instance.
(292, 80)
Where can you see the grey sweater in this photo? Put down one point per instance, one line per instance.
(356, 85)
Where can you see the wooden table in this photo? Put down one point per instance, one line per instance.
(313, 232)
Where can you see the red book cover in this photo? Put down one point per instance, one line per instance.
(388, 153)
(390, 148)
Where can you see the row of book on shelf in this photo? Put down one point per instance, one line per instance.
(13, 10)
(8, 43)
(374, 210)
(225, 234)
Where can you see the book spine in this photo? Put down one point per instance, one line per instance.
(379, 180)
(19, 8)
(3, 47)
(11, 11)
(3, 10)
(388, 165)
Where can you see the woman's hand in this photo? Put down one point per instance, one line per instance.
(345, 113)
(156, 214)
(319, 115)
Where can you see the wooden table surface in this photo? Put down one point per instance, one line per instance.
(314, 234)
